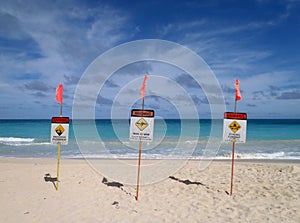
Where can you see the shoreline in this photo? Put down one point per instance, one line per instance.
(246, 160)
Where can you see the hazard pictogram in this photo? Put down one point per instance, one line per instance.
(59, 130)
(234, 126)
(141, 124)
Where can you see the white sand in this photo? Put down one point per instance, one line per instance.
(263, 192)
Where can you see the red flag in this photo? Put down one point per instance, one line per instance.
(238, 95)
(142, 90)
(59, 93)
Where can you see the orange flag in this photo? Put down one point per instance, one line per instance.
(238, 95)
(142, 90)
(59, 93)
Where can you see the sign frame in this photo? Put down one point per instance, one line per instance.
(60, 130)
(234, 127)
(140, 118)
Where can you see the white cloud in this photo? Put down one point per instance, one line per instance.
(57, 40)
(68, 38)
(53, 40)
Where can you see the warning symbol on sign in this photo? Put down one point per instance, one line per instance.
(234, 126)
(59, 130)
(141, 124)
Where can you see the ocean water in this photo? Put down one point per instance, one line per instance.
(266, 139)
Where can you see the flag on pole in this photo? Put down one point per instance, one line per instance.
(238, 95)
(142, 90)
(59, 93)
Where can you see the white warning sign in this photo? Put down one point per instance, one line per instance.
(141, 125)
(60, 130)
(234, 127)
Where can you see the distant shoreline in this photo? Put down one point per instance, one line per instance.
(269, 161)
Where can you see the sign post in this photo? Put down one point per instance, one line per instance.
(59, 136)
(234, 129)
(141, 129)
(59, 130)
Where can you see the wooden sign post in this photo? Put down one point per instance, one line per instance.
(234, 129)
(141, 129)
(59, 130)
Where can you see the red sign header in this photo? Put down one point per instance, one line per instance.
(234, 115)
(60, 120)
(142, 113)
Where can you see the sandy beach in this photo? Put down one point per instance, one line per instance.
(263, 192)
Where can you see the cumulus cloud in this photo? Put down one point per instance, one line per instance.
(104, 101)
(111, 84)
(229, 90)
(274, 92)
(187, 81)
(289, 95)
(135, 69)
(40, 95)
(37, 86)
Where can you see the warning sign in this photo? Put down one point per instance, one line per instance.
(141, 125)
(60, 130)
(234, 127)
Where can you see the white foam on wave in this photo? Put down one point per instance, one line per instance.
(268, 156)
(15, 141)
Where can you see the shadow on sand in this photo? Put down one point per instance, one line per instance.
(187, 182)
(48, 178)
(115, 184)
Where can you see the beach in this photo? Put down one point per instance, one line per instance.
(263, 192)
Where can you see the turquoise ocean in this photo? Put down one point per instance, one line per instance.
(266, 139)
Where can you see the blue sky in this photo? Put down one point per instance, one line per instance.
(44, 43)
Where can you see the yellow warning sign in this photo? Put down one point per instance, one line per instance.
(59, 130)
(141, 124)
(234, 126)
